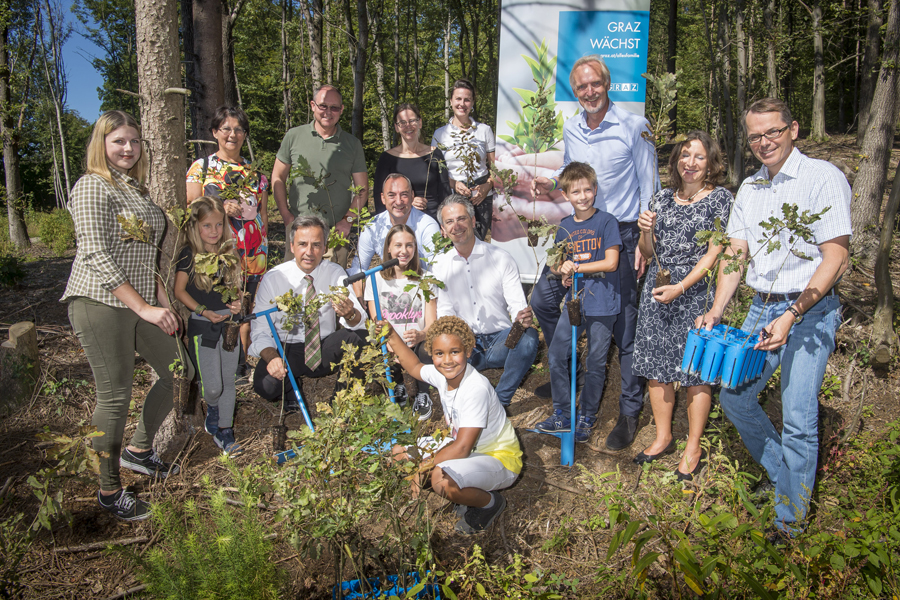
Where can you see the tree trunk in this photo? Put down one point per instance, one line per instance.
(358, 57)
(883, 334)
(673, 51)
(210, 88)
(56, 83)
(724, 68)
(190, 68)
(447, 67)
(314, 32)
(771, 72)
(383, 109)
(237, 89)
(285, 67)
(18, 234)
(229, 80)
(397, 51)
(868, 188)
(163, 130)
(869, 73)
(737, 161)
(818, 109)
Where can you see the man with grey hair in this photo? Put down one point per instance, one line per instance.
(332, 154)
(482, 287)
(310, 350)
(610, 140)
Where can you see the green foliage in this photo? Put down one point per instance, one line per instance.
(14, 544)
(74, 459)
(219, 553)
(295, 311)
(560, 539)
(177, 367)
(662, 97)
(480, 579)
(57, 231)
(343, 493)
(134, 229)
(423, 284)
(540, 127)
(11, 271)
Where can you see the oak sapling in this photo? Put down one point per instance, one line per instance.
(213, 264)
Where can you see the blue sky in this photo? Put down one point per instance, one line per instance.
(83, 78)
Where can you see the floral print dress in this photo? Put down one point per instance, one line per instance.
(662, 329)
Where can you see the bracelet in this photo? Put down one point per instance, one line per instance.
(198, 310)
(554, 181)
(682, 288)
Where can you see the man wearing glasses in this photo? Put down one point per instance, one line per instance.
(609, 139)
(796, 309)
(336, 162)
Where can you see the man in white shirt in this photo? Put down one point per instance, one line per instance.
(397, 196)
(482, 287)
(305, 270)
(796, 309)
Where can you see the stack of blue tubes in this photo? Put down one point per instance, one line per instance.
(723, 353)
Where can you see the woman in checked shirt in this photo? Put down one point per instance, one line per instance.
(118, 307)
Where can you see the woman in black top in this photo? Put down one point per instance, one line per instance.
(423, 164)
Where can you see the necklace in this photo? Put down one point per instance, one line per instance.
(688, 201)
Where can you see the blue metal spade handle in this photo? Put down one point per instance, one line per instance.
(371, 275)
(268, 315)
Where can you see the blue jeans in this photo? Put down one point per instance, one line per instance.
(548, 294)
(491, 353)
(599, 335)
(791, 457)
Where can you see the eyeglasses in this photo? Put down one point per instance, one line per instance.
(236, 131)
(410, 122)
(327, 107)
(771, 135)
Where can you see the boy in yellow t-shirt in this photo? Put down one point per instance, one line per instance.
(482, 453)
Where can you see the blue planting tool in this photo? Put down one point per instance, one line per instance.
(567, 438)
(371, 274)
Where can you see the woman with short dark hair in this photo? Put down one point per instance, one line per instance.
(692, 203)
(422, 164)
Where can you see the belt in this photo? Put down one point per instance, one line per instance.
(791, 297)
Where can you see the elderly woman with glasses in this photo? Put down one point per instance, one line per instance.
(245, 204)
(422, 164)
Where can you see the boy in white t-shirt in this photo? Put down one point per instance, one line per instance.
(483, 453)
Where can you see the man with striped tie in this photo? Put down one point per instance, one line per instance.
(312, 346)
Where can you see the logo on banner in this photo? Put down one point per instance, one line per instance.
(619, 36)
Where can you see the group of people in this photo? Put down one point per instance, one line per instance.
(620, 226)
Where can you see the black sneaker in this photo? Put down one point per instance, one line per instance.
(224, 439)
(125, 505)
(479, 519)
(242, 374)
(212, 419)
(400, 395)
(148, 463)
(422, 406)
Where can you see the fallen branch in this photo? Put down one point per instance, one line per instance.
(134, 590)
(533, 474)
(845, 393)
(100, 545)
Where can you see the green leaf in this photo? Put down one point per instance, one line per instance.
(837, 561)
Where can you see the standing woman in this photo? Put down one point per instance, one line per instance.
(692, 203)
(465, 137)
(117, 306)
(422, 164)
(249, 218)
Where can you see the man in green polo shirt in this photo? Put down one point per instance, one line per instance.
(333, 155)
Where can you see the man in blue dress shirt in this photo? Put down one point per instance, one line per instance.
(609, 139)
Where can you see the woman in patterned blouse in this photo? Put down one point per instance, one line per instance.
(118, 307)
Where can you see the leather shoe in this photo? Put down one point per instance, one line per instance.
(643, 458)
(696, 470)
(622, 435)
(543, 391)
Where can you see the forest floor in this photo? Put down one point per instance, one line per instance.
(546, 500)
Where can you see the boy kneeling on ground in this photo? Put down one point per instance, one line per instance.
(482, 453)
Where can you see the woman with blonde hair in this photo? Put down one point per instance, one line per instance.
(118, 306)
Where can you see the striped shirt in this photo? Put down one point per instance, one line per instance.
(812, 185)
(103, 260)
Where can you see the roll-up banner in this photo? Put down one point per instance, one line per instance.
(539, 43)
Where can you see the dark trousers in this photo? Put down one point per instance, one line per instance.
(484, 214)
(545, 303)
(270, 388)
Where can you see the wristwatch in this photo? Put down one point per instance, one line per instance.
(797, 316)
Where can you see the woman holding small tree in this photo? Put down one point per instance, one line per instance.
(118, 306)
(470, 153)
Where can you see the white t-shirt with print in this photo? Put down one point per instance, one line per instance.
(403, 310)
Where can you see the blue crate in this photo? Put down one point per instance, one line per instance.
(350, 590)
(723, 354)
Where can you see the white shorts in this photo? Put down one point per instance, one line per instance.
(480, 471)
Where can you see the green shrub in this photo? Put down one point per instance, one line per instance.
(11, 272)
(14, 544)
(219, 553)
(57, 231)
